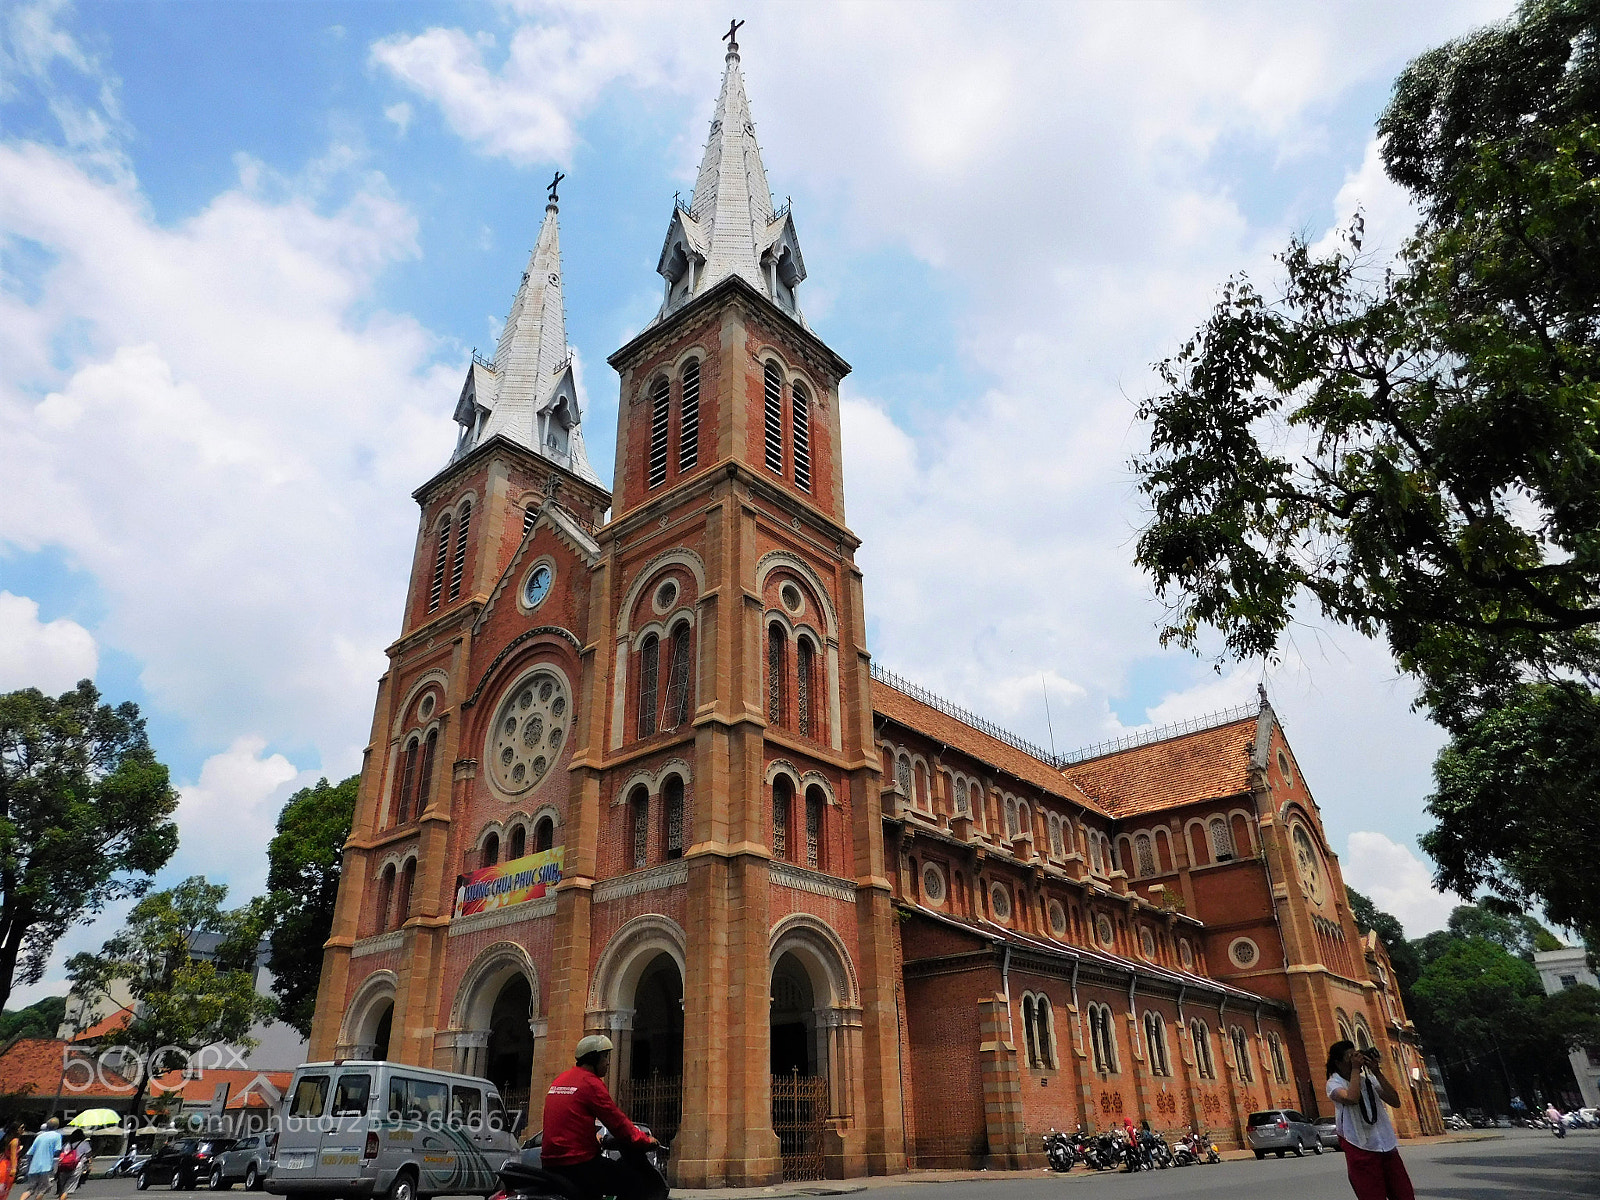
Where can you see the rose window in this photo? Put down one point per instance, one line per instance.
(1306, 864)
(528, 732)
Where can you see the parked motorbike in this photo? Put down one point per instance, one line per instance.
(128, 1165)
(522, 1178)
(1154, 1150)
(1100, 1152)
(1559, 1128)
(1058, 1151)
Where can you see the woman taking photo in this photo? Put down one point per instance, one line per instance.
(1361, 1099)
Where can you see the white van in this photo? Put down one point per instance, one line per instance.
(359, 1128)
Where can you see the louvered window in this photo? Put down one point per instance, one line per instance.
(689, 418)
(774, 386)
(781, 797)
(459, 567)
(425, 777)
(803, 661)
(408, 885)
(649, 668)
(814, 809)
(641, 828)
(519, 843)
(677, 706)
(529, 516)
(442, 557)
(660, 395)
(802, 436)
(672, 794)
(408, 779)
(777, 669)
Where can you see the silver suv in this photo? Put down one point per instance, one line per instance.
(1279, 1130)
(246, 1163)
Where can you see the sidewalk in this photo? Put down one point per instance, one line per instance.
(846, 1187)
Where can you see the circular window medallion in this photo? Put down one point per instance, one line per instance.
(527, 734)
(1306, 863)
(932, 884)
(1284, 769)
(1102, 927)
(1147, 942)
(537, 586)
(1243, 952)
(1058, 919)
(425, 709)
(666, 596)
(1185, 955)
(791, 597)
(1000, 902)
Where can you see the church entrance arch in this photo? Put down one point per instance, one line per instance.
(369, 1019)
(494, 1019)
(794, 1020)
(637, 1001)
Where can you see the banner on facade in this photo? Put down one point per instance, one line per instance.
(508, 883)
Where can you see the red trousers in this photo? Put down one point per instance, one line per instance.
(1375, 1176)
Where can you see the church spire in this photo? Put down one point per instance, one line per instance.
(730, 226)
(528, 394)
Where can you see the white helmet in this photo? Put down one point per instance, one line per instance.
(594, 1043)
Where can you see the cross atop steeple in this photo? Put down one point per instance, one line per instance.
(731, 36)
(553, 185)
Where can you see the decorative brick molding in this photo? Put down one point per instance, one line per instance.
(671, 874)
(378, 944)
(803, 879)
(497, 917)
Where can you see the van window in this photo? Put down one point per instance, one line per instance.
(248, 1143)
(310, 1094)
(466, 1107)
(1263, 1118)
(497, 1113)
(418, 1100)
(350, 1097)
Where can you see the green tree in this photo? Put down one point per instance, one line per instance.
(1415, 450)
(1514, 932)
(303, 865)
(183, 1000)
(40, 1019)
(85, 819)
(1368, 916)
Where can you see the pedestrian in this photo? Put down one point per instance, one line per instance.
(10, 1149)
(42, 1157)
(70, 1163)
(1361, 1099)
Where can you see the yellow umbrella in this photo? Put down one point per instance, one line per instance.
(96, 1118)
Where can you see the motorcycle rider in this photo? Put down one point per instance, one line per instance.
(576, 1099)
(1553, 1115)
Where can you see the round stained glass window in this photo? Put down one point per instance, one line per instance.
(522, 742)
(1102, 926)
(1243, 952)
(932, 884)
(1058, 919)
(1000, 902)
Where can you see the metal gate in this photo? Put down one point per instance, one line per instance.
(656, 1102)
(799, 1114)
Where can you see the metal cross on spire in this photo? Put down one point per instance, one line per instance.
(553, 185)
(731, 37)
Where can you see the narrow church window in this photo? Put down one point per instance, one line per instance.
(677, 706)
(802, 436)
(802, 674)
(491, 851)
(443, 556)
(777, 672)
(408, 883)
(1027, 1032)
(385, 898)
(782, 793)
(1146, 856)
(660, 394)
(774, 387)
(1221, 840)
(1241, 1053)
(649, 668)
(519, 843)
(961, 795)
(425, 777)
(672, 795)
(903, 775)
(544, 835)
(1200, 1034)
(689, 418)
(640, 808)
(815, 806)
(1155, 1040)
(408, 777)
(1044, 1028)
(1279, 1067)
(529, 516)
(459, 567)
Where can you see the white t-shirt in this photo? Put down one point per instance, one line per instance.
(1377, 1136)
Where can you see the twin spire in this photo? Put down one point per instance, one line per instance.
(528, 394)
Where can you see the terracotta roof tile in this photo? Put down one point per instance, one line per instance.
(105, 1025)
(1186, 769)
(34, 1066)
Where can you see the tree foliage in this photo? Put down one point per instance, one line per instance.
(183, 1000)
(1416, 449)
(303, 864)
(85, 818)
(1368, 916)
(40, 1019)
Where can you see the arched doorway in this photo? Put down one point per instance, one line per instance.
(508, 1057)
(369, 1019)
(380, 1034)
(658, 1021)
(794, 1019)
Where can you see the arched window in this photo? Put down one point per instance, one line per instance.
(801, 404)
(1044, 1032)
(656, 467)
(782, 803)
(519, 842)
(441, 558)
(961, 796)
(1363, 1039)
(1280, 1069)
(529, 516)
(1011, 817)
(408, 883)
(804, 663)
(408, 783)
(672, 801)
(1200, 1034)
(1221, 839)
(1056, 845)
(544, 835)
(649, 667)
(1241, 1053)
(1155, 1042)
(777, 673)
(490, 855)
(1028, 1031)
(1102, 1038)
(1024, 819)
(459, 567)
(677, 706)
(689, 417)
(1145, 854)
(816, 807)
(902, 775)
(425, 774)
(774, 418)
(639, 810)
(385, 899)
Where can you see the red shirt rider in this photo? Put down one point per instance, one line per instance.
(576, 1098)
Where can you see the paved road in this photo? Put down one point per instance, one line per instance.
(1521, 1164)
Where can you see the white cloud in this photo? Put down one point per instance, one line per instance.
(1397, 881)
(49, 655)
(400, 114)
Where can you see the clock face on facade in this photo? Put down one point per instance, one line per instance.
(537, 587)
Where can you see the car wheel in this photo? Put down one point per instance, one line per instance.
(177, 1180)
(141, 1181)
(252, 1179)
(1316, 1147)
(404, 1187)
(1260, 1154)
(1299, 1149)
(218, 1183)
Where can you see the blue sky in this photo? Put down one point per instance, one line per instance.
(247, 249)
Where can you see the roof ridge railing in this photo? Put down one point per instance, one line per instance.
(1140, 737)
(481, 360)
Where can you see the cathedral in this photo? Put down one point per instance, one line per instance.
(632, 770)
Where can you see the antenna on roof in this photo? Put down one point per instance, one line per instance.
(1047, 723)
